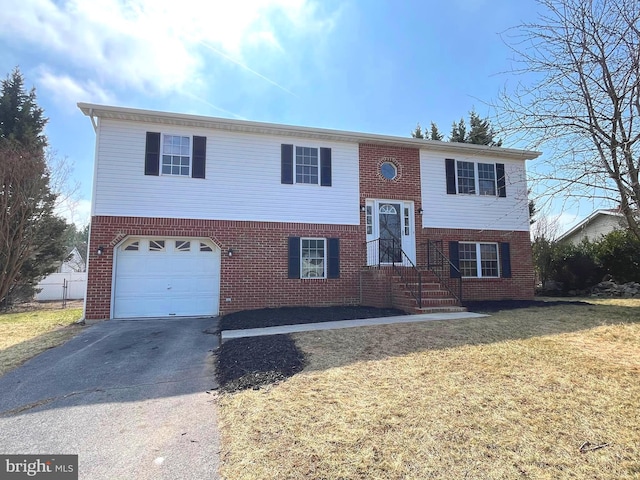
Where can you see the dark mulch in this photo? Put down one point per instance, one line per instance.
(252, 362)
(488, 306)
(271, 317)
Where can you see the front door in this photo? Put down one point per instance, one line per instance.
(390, 229)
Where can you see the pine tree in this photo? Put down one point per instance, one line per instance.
(417, 133)
(481, 132)
(32, 236)
(458, 132)
(435, 133)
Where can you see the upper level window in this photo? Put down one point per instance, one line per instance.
(176, 155)
(388, 170)
(475, 178)
(307, 165)
(486, 179)
(466, 177)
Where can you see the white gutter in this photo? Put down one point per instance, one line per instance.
(243, 126)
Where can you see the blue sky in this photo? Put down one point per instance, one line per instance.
(372, 66)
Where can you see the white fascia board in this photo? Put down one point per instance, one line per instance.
(244, 126)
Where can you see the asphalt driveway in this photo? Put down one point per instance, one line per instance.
(132, 398)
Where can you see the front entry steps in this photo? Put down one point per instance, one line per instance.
(435, 299)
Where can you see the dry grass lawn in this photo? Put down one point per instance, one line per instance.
(26, 334)
(514, 395)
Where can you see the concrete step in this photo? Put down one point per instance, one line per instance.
(450, 309)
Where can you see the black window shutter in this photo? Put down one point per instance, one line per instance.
(152, 154)
(286, 164)
(502, 187)
(454, 257)
(333, 247)
(325, 167)
(294, 257)
(450, 166)
(505, 260)
(199, 161)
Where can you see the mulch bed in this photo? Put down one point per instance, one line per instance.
(272, 317)
(253, 362)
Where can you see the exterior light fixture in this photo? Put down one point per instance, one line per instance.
(420, 211)
(100, 250)
(230, 252)
(362, 208)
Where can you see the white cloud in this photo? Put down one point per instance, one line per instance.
(155, 46)
(67, 91)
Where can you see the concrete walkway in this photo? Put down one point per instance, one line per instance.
(307, 327)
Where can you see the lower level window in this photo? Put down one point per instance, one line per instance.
(479, 259)
(313, 257)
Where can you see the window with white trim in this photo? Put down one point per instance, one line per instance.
(466, 177)
(313, 254)
(307, 165)
(479, 260)
(486, 179)
(176, 155)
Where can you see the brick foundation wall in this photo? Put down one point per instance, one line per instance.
(254, 277)
(375, 287)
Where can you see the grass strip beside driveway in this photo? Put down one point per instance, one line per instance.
(514, 395)
(27, 334)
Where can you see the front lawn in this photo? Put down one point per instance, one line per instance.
(26, 334)
(540, 393)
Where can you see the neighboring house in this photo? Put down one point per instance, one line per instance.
(196, 215)
(69, 281)
(595, 226)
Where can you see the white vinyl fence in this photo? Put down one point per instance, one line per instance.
(53, 286)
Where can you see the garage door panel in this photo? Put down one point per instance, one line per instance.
(168, 282)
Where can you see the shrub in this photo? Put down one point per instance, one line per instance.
(619, 255)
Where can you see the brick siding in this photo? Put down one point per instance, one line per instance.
(256, 276)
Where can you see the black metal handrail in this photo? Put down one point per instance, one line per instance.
(439, 263)
(389, 252)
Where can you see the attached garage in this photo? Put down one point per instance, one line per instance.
(162, 277)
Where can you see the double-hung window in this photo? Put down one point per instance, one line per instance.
(176, 155)
(307, 168)
(313, 253)
(475, 178)
(305, 165)
(466, 177)
(479, 260)
(486, 179)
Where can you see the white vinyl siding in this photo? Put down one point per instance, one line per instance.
(481, 212)
(242, 179)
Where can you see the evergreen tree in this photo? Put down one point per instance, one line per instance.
(458, 132)
(435, 133)
(481, 132)
(417, 133)
(32, 236)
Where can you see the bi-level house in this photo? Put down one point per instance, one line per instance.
(195, 215)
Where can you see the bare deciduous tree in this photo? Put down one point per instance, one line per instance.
(583, 105)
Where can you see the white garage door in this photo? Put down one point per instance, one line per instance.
(161, 277)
